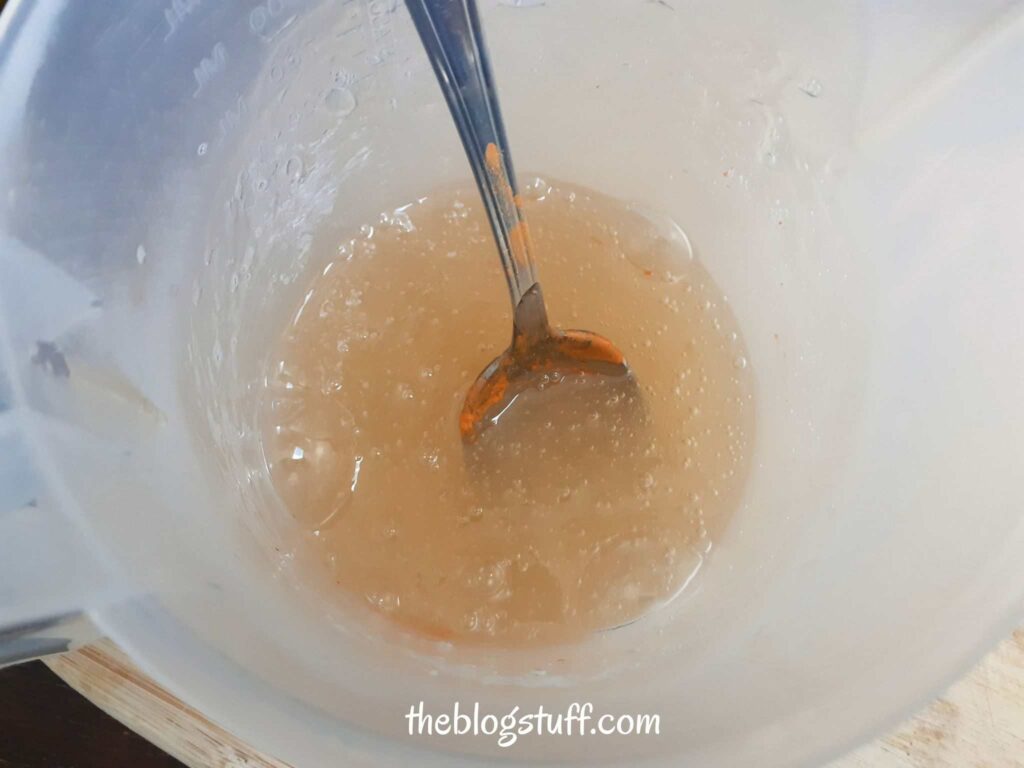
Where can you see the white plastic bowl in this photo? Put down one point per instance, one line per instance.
(850, 174)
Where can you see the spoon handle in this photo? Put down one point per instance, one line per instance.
(451, 35)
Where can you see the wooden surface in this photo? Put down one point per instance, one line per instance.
(979, 723)
(44, 723)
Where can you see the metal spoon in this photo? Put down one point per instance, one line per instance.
(451, 35)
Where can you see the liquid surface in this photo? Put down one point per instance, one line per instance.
(587, 504)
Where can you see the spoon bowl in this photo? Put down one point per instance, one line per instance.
(539, 355)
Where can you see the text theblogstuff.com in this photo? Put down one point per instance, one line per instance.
(578, 719)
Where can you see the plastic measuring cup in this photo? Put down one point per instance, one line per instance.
(850, 177)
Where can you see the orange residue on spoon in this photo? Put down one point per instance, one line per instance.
(518, 235)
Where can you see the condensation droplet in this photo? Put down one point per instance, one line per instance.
(340, 100)
(812, 88)
(293, 168)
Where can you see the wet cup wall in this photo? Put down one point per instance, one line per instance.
(849, 178)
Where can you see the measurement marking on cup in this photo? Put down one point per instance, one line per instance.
(379, 13)
(210, 67)
(231, 117)
(176, 12)
(268, 18)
